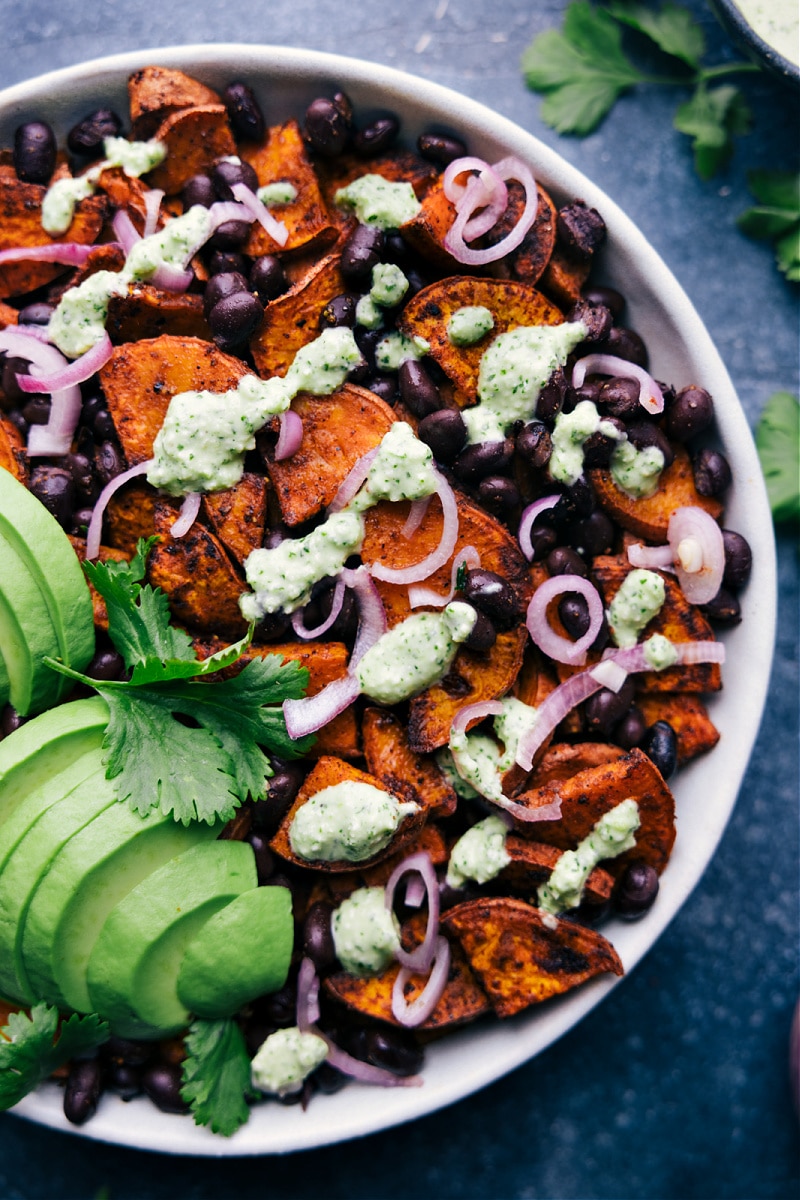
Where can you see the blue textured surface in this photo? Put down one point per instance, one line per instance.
(677, 1085)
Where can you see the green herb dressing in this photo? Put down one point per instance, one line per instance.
(285, 1060)
(611, 836)
(379, 202)
(478, 758)
(639, 599)
(275, 194)
(395, 349)
(636, 472)
(571, 432)
(61, 198)
(366, 934)
(348, 822)
(415, 654)
(469, 324)
(659, 652)
(480, 854)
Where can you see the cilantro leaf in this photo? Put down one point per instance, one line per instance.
(778, 444)
(581, 71)
(777, 217)
(672, 28)
(216, 1075)
(711, 117)
(30, 1051)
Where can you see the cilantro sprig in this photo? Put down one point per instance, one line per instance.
(175, 741)
(776, 217)
(778, 444)
(32, 1047)
(583, 69)
(216, 1075)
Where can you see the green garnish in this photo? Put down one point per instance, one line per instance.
(778, 444)
(174, 742)
(30, 1050)
(216, 1075)
(776, 217)
(584, 69)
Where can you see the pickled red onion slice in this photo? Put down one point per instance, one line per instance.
(652, 557)
(259, 212)
(562, 649)
(312, 712)
(299, 625)
(152, 207)
(96, 524)
(650, 395)
(290, 437)
(352, 481)
(307, 1006)
(421, 865)
(484, 189)
(529, 519)
(126, 232)
(55, 437)
(698, 551)
(372, 622)
(416, 515)
(70, 254)
(420, 1009)
(455, 243)
(70, 374)
(438, 557)
(475, 712)
(419, 595)
(188, 515)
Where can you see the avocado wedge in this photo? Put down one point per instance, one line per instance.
(26, 635)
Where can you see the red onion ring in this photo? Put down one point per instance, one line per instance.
(633, 658)
(454, 243)
(418, 595)
(484, 189)
(657, 558)
(421, 958)
(419, 1010)
(259, 212)
(529, 519)
(416, 515)
(152, 207)
(70, 254)
(188, 515)
(126, 232)
(290, 437)
(694, 524)
(307, 1007)
(171, 279)
(609, 673)
(415, 892)
(372, 622)
(352, 481)
(545, 637)
(55, 437)
(437, 557)
(299, 626)
(69, 375)
(475, 712)
(312, 712)
(457, 192)
(650, 395)
(96, 524)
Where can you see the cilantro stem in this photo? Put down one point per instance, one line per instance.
(727, 69)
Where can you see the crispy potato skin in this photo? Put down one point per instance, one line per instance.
(649, 517)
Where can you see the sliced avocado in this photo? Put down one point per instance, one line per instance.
(46, 551)
(133, 968)
(45, 747)
(28, 862)
(241, 953)
(86, 879)
(5, 692)
(26, 635)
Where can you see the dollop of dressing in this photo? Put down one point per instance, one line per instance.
(611, 836)
(659, 652)
(395, 349)
(478, 759)
(285, 1060)
(469, 324)
(636, 472)
(389, 286)
(366, 934)
(347, 822)
(379, 202)
(639, 599)
(61, 198)
(480, 854)
(403, 469)
(415, 654)
(279, 192)
(571, 432)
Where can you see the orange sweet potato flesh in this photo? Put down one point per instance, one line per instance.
(154, 92)
(678, 620)
(587, 795)
(532, 863)
(146, 312)
(398, 166)
(140, 379)
(195, 138)
(511, 304)
(21, 225)
(688, 716)
(518, 959)
(409, 775)
(12, 450)
(649, 517)
(290, 321)
(564, 277)
(197, 575)
(430, 840)
(528, 262)
(106, 554)
(337, 430)
(238, 515)
(130, 515)
(565, 759)
(328, 772)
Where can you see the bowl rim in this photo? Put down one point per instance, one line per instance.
(503, 1046)
(751, 41)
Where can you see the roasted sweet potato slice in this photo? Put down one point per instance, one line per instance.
(678, 620)
(511, 304)
(398, 166)
(564, 277)
(328, 772)
(140, 379)
(565, 759)
(195, 138)
(155, 92)
(337, 430)
(649, 517)
(125, 191)
(688, 716)
(106, 554)
(130, 515)
(238, 515)
(8, 315)
(145, 312)
(532, 863)
(202, 586)
(409, 775)
(290, 321)
(426, 231)
(430, 840)
(586, 796)
(520, 958)
(21, 225)
(282, 157)
(12, 450)
(528, 262)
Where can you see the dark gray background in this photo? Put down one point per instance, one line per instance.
(677, 1085)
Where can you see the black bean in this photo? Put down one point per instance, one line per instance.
(268, 278)
(637, 890)
(244, 113)
(56, 489)
(619, 396)
(11, 389)
(38, 313)
(384, 386)
(283, 787)
(534, 443)
(724, 609)
(326, 127)
(227, 283)
(318, 944)
(492, 595)
(17, 420)
(83, 1090)
(91, 406)
(234, 318)
(80, 522)
(440, 148)
(339, 311)
(125, 1080)
(126, 1050)
(255, 1034)
(581, 229)
(660, 744)
(563, 561)
(395, 1051)
(103, 426)
(550, 400)
(596, 317)
(36, 410)
(590, 390)
(573, 611)
(222, 261)
(690, 413)
(626, 343)
(105, 665)
(361, 252)
(485, 458)
(598, 448)
(712, 474)
(88, 135)
(34, 153)
(108, 462)
(738, 559)
(328, 1079)
(397, 250)
(605, 708)
(631, 728)
(593, 535)
(578, 500)
(198, 190)
(376, 137)
(483, 634)
(265, 859)
(543, 539)
(499, 496)
(163, 1082)
(417, 390)
(9, 720)
(610, 298)
(644, 433)
(445, 432)
(272, 628)
(279, 1007)
(230, 235)
(367, 342)
(225, 174)
(80, 469)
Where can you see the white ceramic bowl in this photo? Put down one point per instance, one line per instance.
(681, 352)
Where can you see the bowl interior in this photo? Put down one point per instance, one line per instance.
(767, 31)
(681, 351)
